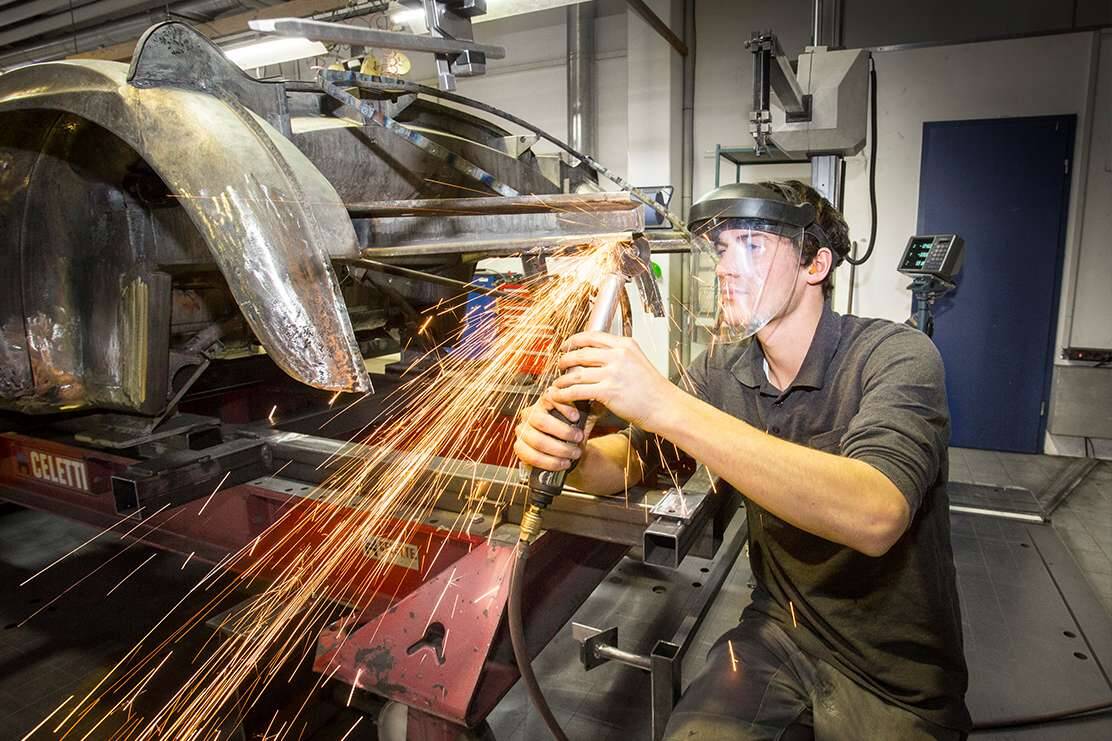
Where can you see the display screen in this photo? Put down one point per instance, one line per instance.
(916, 256)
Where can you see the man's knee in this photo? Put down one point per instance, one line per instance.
(750, 688)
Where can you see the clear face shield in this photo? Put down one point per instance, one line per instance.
(750, 269)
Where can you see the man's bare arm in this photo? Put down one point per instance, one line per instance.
(607, 466)
(837, 498)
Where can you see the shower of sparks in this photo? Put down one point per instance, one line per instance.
(792, 608)
(354, 684)
(210, 496)
(333, 399)
(131, 573)
(66, 555)
(270, 417)
(733, 656)
(47, 718)
(315, 556)
(353, 725)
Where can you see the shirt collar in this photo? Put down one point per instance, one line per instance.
(749, 367)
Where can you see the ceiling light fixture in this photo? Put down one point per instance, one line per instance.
(274, 51)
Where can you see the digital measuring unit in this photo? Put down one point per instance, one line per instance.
(938, 255)
(934, 261)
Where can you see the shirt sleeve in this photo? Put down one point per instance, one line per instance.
(902, 426)
(655, 452)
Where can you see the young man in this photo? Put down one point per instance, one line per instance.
(834, 429)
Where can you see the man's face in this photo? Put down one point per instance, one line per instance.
(757, 274)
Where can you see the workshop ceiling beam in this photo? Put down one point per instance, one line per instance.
(224, 26)
(640, 8)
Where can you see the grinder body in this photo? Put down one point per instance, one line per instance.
(544, 485)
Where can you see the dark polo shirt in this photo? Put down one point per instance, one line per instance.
(871, 390)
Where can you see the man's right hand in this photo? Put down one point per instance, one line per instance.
(544, 441)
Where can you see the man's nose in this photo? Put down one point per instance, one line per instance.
(726, 268)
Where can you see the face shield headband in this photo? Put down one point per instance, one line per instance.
(712, 228)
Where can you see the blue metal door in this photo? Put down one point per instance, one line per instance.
(1003, 185)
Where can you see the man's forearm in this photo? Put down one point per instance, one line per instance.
(843, 500)
(607, 466)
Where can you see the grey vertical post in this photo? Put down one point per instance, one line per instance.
(582, 115)
(826, 178)
(665, 669)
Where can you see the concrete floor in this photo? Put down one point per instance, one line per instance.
(1083, 521)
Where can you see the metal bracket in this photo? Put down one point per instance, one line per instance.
(451, 19)
(664, 665)
(638, 267)
(441, 44)
(773, 74)
(591, 640)
(515, 145)
(682, 518)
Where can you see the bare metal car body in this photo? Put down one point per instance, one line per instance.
(142, 206)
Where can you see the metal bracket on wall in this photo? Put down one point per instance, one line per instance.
(451, 19)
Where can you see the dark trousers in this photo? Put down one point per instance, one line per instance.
(758, 685)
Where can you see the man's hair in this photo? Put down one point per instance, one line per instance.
(827, 217)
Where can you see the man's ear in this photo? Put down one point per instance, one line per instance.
(820, 266)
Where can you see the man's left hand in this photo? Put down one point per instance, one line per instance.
(614, 372)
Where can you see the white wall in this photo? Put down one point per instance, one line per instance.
(1027, 77)
(1024, 77)
(531, 82)
(1088, 319)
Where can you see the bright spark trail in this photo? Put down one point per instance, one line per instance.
(315, 556)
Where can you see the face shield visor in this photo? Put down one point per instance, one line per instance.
(747, 272)
(747, 257)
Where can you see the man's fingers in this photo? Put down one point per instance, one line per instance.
(580, 392)
(586, 357)
(591, 339)
(570, 412)
(577, 376)
(547, 423)
(531, 457)
(546, 443)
